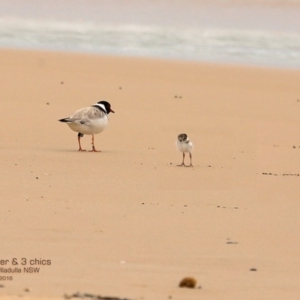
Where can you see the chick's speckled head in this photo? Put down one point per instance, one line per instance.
(182, 137)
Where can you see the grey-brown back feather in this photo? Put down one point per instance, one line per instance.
(87, 113)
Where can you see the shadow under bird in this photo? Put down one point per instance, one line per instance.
(89, 120)
(184, 145)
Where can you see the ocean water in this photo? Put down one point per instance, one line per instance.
(263, 33)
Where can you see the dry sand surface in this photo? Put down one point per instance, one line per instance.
(127, 222)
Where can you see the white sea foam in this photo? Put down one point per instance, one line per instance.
(207, 44)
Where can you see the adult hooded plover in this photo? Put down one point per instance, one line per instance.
(184, 145)
(89, 120)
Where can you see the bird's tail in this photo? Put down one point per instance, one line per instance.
(65, 120)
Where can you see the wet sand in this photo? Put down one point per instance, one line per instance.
(127, 222)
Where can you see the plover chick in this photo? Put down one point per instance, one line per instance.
(184, 145)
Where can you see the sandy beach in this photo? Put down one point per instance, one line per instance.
(127, 222)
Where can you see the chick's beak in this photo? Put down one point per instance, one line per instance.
(111, 111)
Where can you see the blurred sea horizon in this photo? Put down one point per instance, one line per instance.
(262, 33)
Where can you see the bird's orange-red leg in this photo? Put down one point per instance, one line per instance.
(93, 146)
(80, 149)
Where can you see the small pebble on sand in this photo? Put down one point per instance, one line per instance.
(188, 282)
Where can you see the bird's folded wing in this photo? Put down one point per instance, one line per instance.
(87, 114)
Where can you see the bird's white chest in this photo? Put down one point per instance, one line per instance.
(185, 147)
(91, 127)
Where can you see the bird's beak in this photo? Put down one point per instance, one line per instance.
(111, 111)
